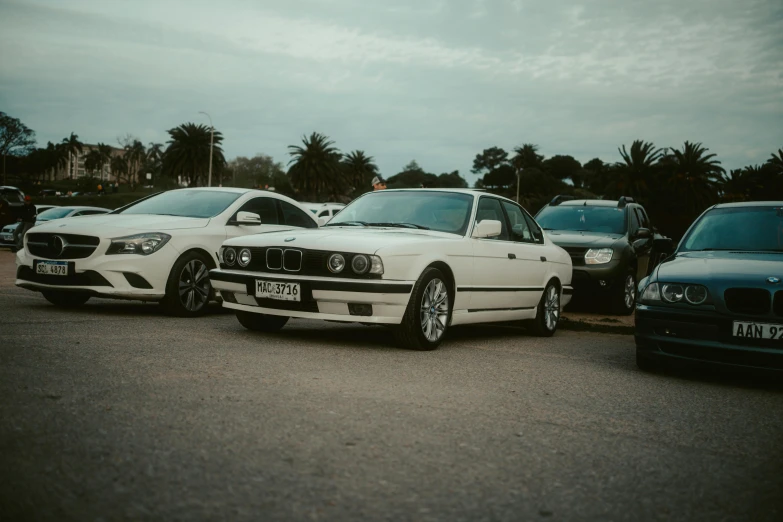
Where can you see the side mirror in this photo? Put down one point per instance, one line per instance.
(663, 245)
(321, 222)
(248, 218)
(487, 228)
(643, 233)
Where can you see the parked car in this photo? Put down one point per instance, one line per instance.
(418, 260)
(719, 297)
(324, 210)
(7, 232)
(11, 201)
(158, 248)
(610, 244)
(55, 212)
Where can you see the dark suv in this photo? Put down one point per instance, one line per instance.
(11, 201)
(611, 244)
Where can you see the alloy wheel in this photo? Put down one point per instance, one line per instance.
(630, 292)
(552, 308)
(434, 310)
(194, 286)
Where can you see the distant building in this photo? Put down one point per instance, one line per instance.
(77, 165)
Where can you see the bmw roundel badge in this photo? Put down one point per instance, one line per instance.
(773, 280)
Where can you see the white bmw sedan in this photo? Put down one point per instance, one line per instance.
(419, 260)
(159, 248)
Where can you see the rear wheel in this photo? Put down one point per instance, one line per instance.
(548, 313)
(624, 296)
(428, 314)
(188, 290)
(65, 299)
(261, 322)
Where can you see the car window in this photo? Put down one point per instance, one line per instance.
(489, 208)
(538, 235)
(645, 223)
(520, 230)
(91, 212)
(323, 213)
(266, 208)
(634, 223)
(294, 217)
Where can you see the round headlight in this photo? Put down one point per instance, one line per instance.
(336, 263)
(229, 256)
(148, 247)
(244, 257)
(695, 294)
(672, 293)
(360, 264)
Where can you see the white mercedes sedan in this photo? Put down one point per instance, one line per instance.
(418, 260)
(159, 248)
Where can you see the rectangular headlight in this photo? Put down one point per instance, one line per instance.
(376, 265)
(142, 244)
(598, 256)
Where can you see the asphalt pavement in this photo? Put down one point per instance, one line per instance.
(116, 412)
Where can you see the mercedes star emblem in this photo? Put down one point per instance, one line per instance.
(56, 246)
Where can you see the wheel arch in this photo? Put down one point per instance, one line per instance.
(449, 273)
(199, 250)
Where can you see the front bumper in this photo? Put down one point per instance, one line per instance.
(321, 297)
(118, 276)
(706, 336)
(6, 238)
(598, 277)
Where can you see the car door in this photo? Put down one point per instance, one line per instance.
(267, 210)
(641, 247)
(530, 266)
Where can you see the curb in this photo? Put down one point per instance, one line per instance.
(567, 323)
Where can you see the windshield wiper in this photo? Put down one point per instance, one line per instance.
(398, 225)
(348, 223)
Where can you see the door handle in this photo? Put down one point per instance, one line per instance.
(512, 256)
(543, 259)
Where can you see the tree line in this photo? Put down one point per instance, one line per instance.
(674, 183)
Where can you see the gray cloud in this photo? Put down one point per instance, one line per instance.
(432, 80)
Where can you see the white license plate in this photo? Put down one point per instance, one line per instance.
(758, 330)
(279, 291)
(59, 268)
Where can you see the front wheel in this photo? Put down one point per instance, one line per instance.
(188, 289)
(261, 322)
(624, 298)
(65, 299)
(428, 314)
(548, 312)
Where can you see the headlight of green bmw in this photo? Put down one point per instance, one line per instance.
(657, 293)
(598, 256)
(142, 244)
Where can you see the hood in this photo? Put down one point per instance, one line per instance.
(569, 238)
(344, 239)
(111, 225)
(707, 267)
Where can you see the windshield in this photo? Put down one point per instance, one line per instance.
(609, 220)
(12, 196)
(441, 211)
(185, 203)
(53, 213)
(739, 229)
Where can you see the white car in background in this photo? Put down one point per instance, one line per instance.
(55, 212)
(7, 233)
(417, 260)
(159, 248)
(325, 211)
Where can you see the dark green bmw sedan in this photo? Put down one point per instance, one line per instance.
(719, 297)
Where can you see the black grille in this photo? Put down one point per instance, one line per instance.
(777, 305)
(313, 262)
(87, 278)
(292, 260)
(748, 301)
(577, 255)
(61, 246)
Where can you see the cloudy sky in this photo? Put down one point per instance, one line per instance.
(431, 80)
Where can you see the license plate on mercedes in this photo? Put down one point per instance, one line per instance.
(277, 290)
(758, 330)
(59, 268)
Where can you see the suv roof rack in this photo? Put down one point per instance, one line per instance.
(559, 199)
(624, 200)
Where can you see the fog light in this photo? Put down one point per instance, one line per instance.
(360, 309)
(602, 282)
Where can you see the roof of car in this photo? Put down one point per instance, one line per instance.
(750, 204)
(80, 207)
(234, 190)
(588, 203)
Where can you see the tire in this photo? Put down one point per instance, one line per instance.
(188, 290)
(425, 322)
(623, 300)
(261, 322)
(647, 364)
(65, 299)
(547, 312)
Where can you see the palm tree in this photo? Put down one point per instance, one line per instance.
(736, 186)
(695, 174)
(315, 170)
(56, 158)
(634, 173)
(104, 157)
(74, 147)
(527, 156)
(359, 170)
(776, 161)
(135, 154)
(187, 154)
(120, 167)
(92, 162)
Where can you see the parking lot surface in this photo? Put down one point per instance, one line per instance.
(116, 412)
